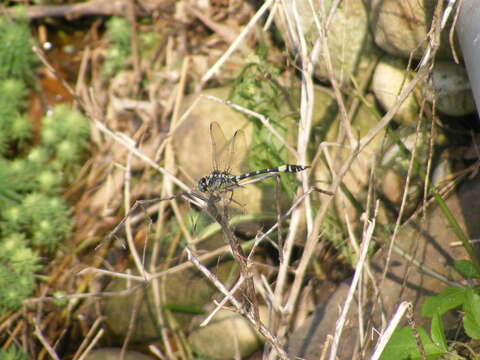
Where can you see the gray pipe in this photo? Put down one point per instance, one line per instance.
(468, 33)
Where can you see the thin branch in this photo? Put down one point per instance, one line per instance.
(353, 287)
(213, 70)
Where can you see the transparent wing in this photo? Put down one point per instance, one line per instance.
(219, 147)
(238, 151)
(227, 155)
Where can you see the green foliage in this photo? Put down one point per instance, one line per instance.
(13, 126)
(255, 88)
(335, 231)
(451, 298)
(48, 219)
(13, 94)
(64, 135)
(32, 213)
(119, 36)
(11, 185)
(18, 264)
(466, 269)
(30, 187)
(21, 128)
(48, 182)
(119, 51)
(12, 353)
(43, 219)
(471, 319)
(403, 344)
(17, 59)
(38, 155)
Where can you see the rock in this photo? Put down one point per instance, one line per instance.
(307, 342)
(400, 27)
(227, 334)
(114, 354)
(450, 87)
(349, 41)
(187, 289)
(428, 241)
(389, 79)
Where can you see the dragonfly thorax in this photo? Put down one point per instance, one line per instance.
(217, 180)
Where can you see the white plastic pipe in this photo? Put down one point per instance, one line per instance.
(468, 33)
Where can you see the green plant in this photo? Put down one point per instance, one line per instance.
(403, 344)
(17, 59)
(13, 126)
(12, 353)
(11, 185)
(18, 264)
(255, 88)
(64, 135)
(119, 37)
(48, 219)
(32, 213)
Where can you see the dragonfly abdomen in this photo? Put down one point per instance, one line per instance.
(278, 169)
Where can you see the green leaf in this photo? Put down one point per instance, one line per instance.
(471, 320)
(402, 345)
(466, 269)
(438, 333)
(449, 299)
(12, 353)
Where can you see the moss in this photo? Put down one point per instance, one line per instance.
(18, 264)
(119, 37)
(17, 59)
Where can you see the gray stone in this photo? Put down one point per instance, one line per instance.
(450, 87)
(349, 41)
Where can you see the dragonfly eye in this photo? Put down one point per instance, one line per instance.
(202, 184)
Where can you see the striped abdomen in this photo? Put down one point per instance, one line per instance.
(283, 168)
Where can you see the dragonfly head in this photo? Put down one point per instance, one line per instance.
(203, 184)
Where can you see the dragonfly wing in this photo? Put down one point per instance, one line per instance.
(227, 154)
(220, 152)
(238, 151)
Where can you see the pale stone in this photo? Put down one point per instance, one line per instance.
(349, 41)
(227, 334)
(389, 79)
(400, 27)
(114, 354)
(184, 289)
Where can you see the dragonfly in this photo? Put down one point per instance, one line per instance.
(224, 154)
(226, 158)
